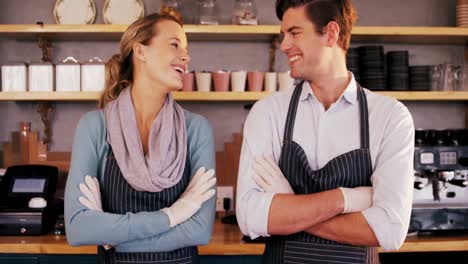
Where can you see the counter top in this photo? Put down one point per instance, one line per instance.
(226, 240)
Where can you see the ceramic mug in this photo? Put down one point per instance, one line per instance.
(285, 81)
(270, 81)
(255, 81)
(187, 81)
(221, 81)
(203, 81)
(238, 79)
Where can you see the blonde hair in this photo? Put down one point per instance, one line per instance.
(119, 68)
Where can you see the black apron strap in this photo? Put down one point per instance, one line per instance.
(364, 117)
(290, 120)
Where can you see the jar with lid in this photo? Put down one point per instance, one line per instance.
(207, 11)
(14, 77)
(41, 77)
(244, 13)
(173, 8)
(68, 75)
(93, 74)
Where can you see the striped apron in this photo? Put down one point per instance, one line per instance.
(119, 197)
(351, 169)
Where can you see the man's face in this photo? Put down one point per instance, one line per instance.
(304, 47)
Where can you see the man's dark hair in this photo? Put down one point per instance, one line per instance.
(322, 12)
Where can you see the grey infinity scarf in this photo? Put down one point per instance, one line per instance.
(164, 164)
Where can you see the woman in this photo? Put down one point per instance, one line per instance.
(148, 154)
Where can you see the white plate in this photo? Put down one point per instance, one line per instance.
(123, 11)
(74, 11)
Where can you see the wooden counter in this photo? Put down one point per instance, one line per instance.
(226, 240)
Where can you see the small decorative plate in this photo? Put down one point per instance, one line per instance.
(123, 11)
(74, 11)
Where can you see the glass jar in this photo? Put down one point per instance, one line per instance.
(25, 130)
(244, 13)
(207, 12)
(171, 7)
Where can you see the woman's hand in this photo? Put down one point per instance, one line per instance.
(92, 194)
(198, 191)
(92, 199)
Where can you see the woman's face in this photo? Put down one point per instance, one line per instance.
(166, 57)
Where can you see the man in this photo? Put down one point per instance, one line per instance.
(326, 170)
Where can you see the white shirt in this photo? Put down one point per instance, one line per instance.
(325, 135)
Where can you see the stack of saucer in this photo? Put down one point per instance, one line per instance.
(420, 78)
(372, 67)
(462, 13)
(352, 62)
(397, 67)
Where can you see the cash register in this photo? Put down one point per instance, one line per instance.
(27, 199)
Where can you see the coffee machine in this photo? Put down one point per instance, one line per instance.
(440, 198)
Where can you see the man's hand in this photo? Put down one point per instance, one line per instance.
(269, 176)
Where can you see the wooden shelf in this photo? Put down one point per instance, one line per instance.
(414, 35)
(218, 96)
(427, 96)
(93, 96)
(114, 32)
(364, 34)
(49, 96)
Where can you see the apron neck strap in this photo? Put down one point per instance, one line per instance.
(290, 119)
(364, 117)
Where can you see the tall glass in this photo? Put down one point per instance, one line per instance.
(244, 13)
(207, 12)
(171, 7)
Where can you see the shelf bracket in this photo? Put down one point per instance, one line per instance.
(46, 47)
(273, 48)
(45, 110)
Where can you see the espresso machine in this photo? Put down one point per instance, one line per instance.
(440, 198)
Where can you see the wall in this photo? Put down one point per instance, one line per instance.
(226, 118)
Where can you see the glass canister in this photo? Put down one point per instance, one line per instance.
(207, 11)
(454, 77)
(41, 77)
(93, 75)
(68, 75)
(14, 77)
(244, 13)
(173, 8)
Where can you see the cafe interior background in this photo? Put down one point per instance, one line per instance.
(39, 109)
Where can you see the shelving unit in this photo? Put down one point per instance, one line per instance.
(46, 33)
(218, 96)
(426, 35)
(421, 35)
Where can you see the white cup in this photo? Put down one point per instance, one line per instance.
(238, 79)
(203, 81)
(270, 81)
(285, 81)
